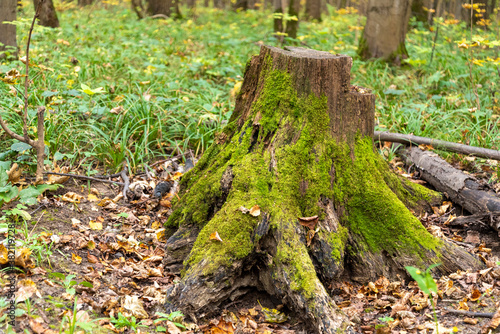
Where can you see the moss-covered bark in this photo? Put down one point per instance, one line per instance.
(295, 148)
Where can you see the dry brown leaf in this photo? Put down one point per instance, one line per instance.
(71, 197)
(133, 306)
(471, 321)
(92, 258)
(492, 324)
(58, 179)
(172, 329)
(309, 222)
(75, 258)
(14, 173)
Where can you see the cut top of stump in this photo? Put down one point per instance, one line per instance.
(350, 109)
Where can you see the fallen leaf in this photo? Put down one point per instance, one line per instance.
(71, 197)
(255, 211)
(133, 305)
(309, 222)
(215, 236)
(95, 225)
(309, 237)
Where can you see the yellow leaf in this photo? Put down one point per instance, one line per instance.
(95, 225)
(75, 258)
(92, 198)
(71, 197)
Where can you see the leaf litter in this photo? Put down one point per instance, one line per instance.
(114, 250)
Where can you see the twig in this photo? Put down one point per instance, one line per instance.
(470, 313)
(82, 177)
(436, 143)
(107, 176)
(126, 180)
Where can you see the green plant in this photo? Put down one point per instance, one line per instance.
(122, 321)
(427, 284)
(68, 283)
(174, 317)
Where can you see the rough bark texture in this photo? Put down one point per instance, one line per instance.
(8, 31)
(48, 15)
(85, 2)
(385, 30)
(461, 188)
(313, 10)
(299, 144)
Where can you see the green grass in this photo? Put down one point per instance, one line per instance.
(173, 80)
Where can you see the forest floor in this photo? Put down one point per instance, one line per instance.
(87, 233)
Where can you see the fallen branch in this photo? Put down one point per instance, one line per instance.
(491, 219)
(83, 177)
(470, 313)
(436, 143)
(461, 188)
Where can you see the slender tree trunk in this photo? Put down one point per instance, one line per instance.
(191, 4)
(385, 30)
(48, 15)
(8, 10)
(220, 4)
(162, 7)
(298, 150)
(85, 2)
(293, 24)
(313, 10)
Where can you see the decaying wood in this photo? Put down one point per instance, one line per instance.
(436, 143)
(461, 188)
(298, 144)
(491, 219)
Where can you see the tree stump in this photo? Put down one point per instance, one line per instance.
(299, 146)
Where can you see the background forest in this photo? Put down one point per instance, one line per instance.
(136, 83)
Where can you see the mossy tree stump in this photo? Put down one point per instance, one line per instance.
(299, 144)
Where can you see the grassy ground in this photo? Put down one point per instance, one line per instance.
(166, 88)
(170, 81)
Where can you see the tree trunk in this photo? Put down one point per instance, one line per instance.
(219, 4)
(385, 30)
(292, 25)
(85, 2)
(8, 31)
(278, 16)
(313, 10)
(299, 144)
(191, 4)
(48, 15)
(159, 7)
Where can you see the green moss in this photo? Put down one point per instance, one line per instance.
(292, 255)
(373, 209)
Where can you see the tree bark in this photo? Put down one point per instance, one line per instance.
(461, 188)
(298, 147)
(292, 25)
(8, 31)
(313, 10)
(278, 16)
(48, 15)
(159, 7)
(85, 2)
(385, 30)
